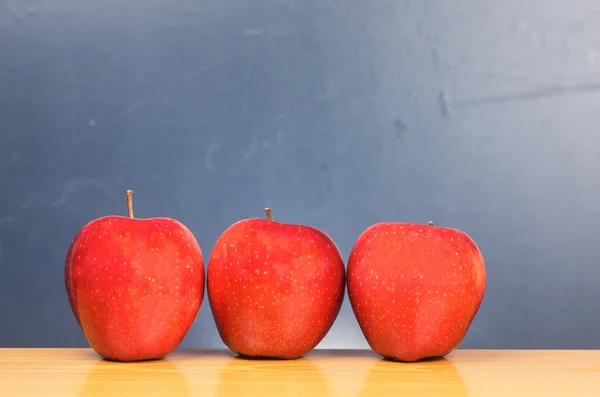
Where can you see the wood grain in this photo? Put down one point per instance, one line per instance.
(490, 373)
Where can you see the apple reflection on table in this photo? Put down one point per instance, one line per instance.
(429, 377)
(267, 377)
(145, 378)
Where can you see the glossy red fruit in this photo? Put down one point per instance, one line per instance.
(135, 285)
(415, 289)
(275, 289)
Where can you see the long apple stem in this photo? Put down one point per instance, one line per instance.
(430, 223)
(130, 203)
(268, 212)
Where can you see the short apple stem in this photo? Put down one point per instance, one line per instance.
(130, 203)
(269, 215)
(430, 223)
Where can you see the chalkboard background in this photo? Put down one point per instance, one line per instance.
(480, 115)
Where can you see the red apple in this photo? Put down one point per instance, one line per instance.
(274, 288)
(415, 289)
(135, 285)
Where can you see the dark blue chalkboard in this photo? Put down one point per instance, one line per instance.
(479, 115)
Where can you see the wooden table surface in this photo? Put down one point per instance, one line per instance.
(506, 373)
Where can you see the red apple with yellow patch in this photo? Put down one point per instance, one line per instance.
(135, 285)
(274, 288)
(415, 289)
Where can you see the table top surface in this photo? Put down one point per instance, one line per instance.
(514, 373)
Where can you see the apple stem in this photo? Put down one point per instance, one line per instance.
(430, 223)
(268, 212)
(130, 203)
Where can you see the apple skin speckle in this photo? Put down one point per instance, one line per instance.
(135, 285)
(274, 289)
(415, 289)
